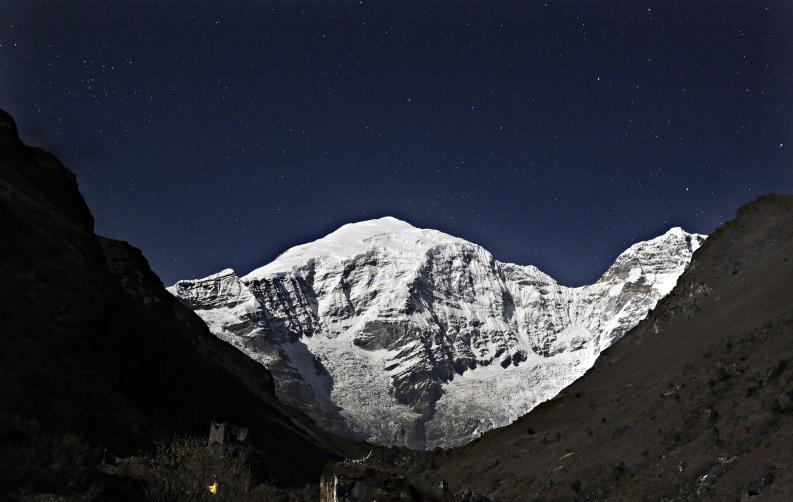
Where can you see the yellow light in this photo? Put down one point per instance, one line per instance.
(213, 488)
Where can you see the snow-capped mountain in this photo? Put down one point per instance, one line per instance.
(400, 335)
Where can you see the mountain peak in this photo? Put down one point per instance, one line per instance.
(388, 234)
(674, 236)
(681, 232)
(411, 322)
(676, 231)
(385, 224)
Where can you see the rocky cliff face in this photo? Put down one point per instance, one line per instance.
(409, 336)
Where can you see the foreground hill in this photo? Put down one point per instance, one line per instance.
(95, 355)
(401, 335)
(694, 403)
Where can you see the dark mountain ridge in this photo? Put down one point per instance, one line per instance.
(95, 354)
(695, 403)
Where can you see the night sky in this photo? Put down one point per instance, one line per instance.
(552, 133)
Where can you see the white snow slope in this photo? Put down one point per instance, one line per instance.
(399, 335)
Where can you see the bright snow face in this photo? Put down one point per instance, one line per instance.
(408, 336)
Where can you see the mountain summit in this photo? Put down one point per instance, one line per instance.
(399, 335)
(388, 235)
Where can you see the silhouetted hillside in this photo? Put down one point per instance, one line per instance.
(695, 403)
(95, 354)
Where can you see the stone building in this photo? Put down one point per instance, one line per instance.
(223, 435)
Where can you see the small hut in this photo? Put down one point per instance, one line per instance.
(223, 435)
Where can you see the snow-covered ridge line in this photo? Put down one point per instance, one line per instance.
(400, 335)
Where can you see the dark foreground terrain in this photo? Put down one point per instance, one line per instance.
(98, 361)
(696, 403)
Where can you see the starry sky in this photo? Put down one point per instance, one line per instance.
(553, 133)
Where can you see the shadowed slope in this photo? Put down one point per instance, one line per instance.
(696, 402)
(95, 352)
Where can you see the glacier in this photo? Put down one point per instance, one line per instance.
(398, 335)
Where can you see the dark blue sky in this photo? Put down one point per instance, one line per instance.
(552, 133)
